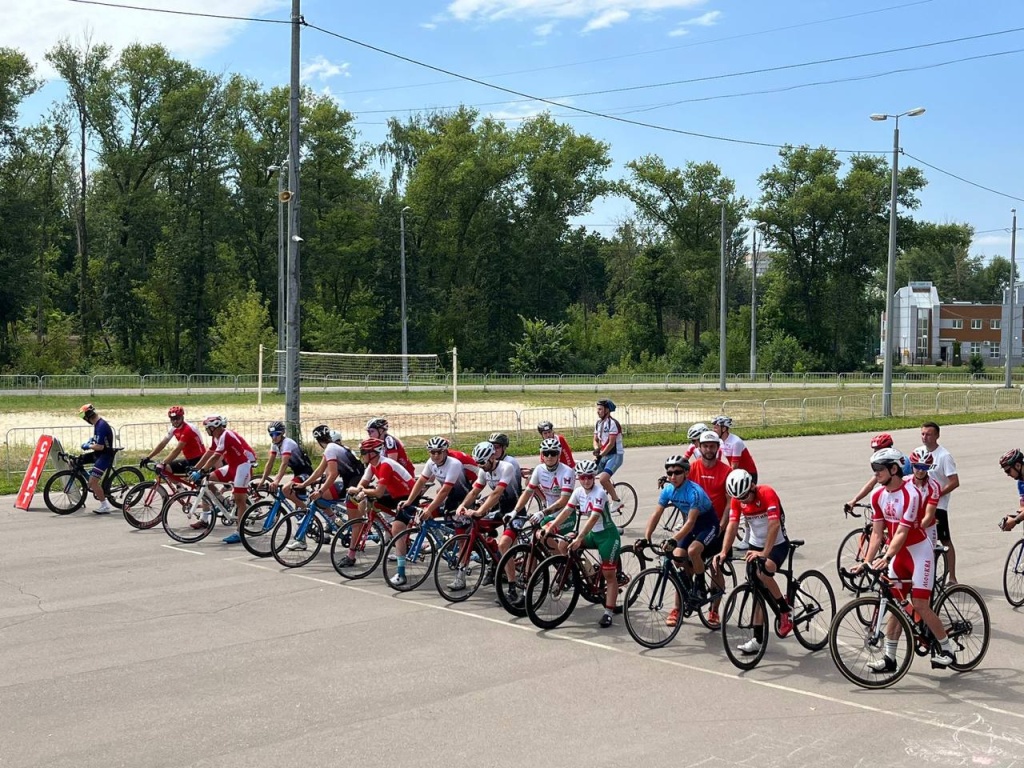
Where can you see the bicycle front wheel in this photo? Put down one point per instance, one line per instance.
(521, 560)
(1013, 575)
(745, 627)
(369, 548)
(119, 482)
(552, 592)
(627, 495)
(851, 553)
(651, 597)
(257, 526)
(184, 518)
(964, 615)
(419, 560)
(814, 605)
(64, 492)
(728, 574)
(631, 564)
(857, 643)
(143, 503)
(459, 569)
(289, 548)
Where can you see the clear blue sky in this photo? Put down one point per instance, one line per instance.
(556, 48)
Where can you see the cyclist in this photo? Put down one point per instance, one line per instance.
(944, 470)
(451, 474)
(292, 457)
(190, 444)
(500, 442)
(699, 528)
(878, 442)
(737, 456)
(377, 427)
(693, 435)
(598, 532)
(546, 430)
(909, 557)
(101, 445)
(499, 476)
(1012, 463)
(339, 469)
(385, 481)
(921, 461)
(766, 525)
(229, 460)
(608, 450)
(710, 473)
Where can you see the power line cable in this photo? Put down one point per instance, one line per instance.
(181, 13)
(961, 178)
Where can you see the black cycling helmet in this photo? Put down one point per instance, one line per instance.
(322, 433)
(545, 426)
(498, 438)
(275, 428)
(1011, 458)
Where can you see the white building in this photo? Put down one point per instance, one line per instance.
(916, 323)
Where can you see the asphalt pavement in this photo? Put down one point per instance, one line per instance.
(120, 648)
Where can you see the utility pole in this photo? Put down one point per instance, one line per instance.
(292, 395)
(282, 274)
(405, 320)
(753, 305)
(721, 309)
(1013, 290)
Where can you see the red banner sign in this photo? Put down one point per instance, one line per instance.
(35, 471)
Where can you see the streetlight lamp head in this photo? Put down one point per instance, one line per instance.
(915, 112)
(297, 239)
(879, 117)
(407, 208)
(273, 168)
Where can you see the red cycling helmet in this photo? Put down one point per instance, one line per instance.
(176, 412)
(371, 445)
(880, 441)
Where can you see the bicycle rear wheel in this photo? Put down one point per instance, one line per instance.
(119, 482)
(1013, 575)
(651, 597)
(184, 519)
(745, 623)
(631, 565)
(552, 592)
(64, 492)
(814, 605)
(291, 551)
(851, 553)
(143, 503)
(627, 495)
(858, 644)
(964, 615)
(257, 526)
(452, 558)
(729, 580)
(419, 560)
(369, 549)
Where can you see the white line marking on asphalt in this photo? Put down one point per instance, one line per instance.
(689, 667)
(179, 549)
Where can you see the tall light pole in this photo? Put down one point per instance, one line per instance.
(753, 300)
(890, 278)
(721, 308)
(1013, 290)
(292, 393)
(282, 284)
(405, 321)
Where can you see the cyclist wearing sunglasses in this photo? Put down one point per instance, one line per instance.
(546, 429)
(292, 457)
(1012, 463)
(921, 461)
(909, 556)
(190, 443)
(878, 442)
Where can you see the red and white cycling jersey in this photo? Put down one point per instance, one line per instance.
(191, 441)
(759, 512)
(592, 502)
(391, 476)
(501, 477)
(552, 483)
(233, 449)
(899, 508)
(735, 453)
(606, 431)
(566, 457)
(449, 472)
(930, 493)
(470, 468)
(393, 449)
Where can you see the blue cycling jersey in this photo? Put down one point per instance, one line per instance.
(907, 468)
(104, 435)
(1020, 490)
(690, 496)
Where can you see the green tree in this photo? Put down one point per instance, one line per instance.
(239, 330)
(543, 348)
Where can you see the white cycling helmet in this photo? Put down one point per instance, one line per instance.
(335, 436)
(710, 437)
(887, 457)
(586, 467)
(215, 421)
(738, 483)
(550, 444)
(483, 452)
(677, 461)
(696, 430)
(722, 421)
(437, 444)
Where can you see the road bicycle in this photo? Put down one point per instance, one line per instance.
(745, 616)
(657, 591)
(854, 548)
(257, 524)
(465, 557)
(368, 535)
(623, 516)
(298, 536)
(1013, 573)
(144, 502)
(423, 540)
(557, 584)
(190, 516)
(857, 637)
(522, 558)
(65, 492)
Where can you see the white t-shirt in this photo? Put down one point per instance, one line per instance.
(552, 483)
(943, 469)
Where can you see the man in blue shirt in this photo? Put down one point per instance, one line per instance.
(102, 446)
(1012, 463)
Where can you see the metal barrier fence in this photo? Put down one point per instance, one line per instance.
(521, 426)
(170, 383)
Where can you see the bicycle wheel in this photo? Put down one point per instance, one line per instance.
(856, 645)
(184, 519)
(143, 503)
(257, 526)
(552, 592)
(851, 553)
(745, 623)
(631, 565)
(963, 613)
(369, 549)
(651, 597)
(1013, 575)
(627, 495)
(64, 492)
(119, 482)
(449, 563)
(814, 605)
(419, 559)
(941, 568)
(512, 589)
(729, 577)
(293, 552)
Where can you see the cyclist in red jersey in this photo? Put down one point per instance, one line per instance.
(190, 443)
(231, 460)
(710, 473)
(546, 430)
(377, 428)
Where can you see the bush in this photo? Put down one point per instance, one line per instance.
(976, 364)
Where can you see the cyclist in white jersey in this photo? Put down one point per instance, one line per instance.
(921, 461)
(608, 450)
(693, 435)
(500, 442)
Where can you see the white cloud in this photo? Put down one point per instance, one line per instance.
(521, 111)
(323, 70)
(428, 25)
(596, 14)
(679, 32)
(545, 29)
(708, 19)
(34, 28)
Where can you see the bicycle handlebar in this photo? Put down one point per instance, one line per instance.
(848, 509)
